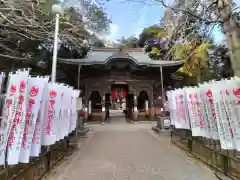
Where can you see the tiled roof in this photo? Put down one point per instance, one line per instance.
(106, 55)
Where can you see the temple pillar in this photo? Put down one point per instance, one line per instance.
(146, 106)
(151, 109)
(86, 113)
(103, 108)
(89, 107)
(135, 111)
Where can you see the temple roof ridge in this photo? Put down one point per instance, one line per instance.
(103, 56)
(112, 49)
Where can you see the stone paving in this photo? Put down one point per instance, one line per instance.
(131, 152)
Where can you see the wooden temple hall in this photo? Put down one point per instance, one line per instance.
(113, 80)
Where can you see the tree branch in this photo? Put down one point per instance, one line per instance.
(206, 21)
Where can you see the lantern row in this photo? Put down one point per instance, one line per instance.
(36, 112)
(210, 110)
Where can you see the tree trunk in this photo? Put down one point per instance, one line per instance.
(232, 32)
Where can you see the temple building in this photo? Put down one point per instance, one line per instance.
(123, 79)
(111, 80)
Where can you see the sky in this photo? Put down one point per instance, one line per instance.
(129, 19)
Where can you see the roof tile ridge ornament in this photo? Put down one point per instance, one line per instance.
(114, 49)
(105, 49)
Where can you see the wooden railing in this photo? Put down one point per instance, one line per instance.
(209, 151)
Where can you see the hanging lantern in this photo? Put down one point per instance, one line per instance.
(114, 94)
(123, 92)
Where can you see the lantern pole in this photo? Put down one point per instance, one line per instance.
(78, 86)
(162, 89)
(57, 10)
(79, 71)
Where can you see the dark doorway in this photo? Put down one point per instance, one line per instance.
(96, 106)
(142, 98)
(142, 106)
(95, 99)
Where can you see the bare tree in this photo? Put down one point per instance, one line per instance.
(223, 13)
(27, 23)
(208, 12)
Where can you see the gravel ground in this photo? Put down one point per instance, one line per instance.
(131, 152)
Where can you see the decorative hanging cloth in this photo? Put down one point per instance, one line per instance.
(123, 92)
(114, 94)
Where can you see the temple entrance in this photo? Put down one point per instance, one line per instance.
(117, 112)
(119, 92)
(118, 103)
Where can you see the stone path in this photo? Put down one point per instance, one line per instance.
(131, 152)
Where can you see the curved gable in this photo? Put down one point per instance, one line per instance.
(104, 56)
(121, 56)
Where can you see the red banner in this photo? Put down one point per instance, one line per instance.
(123, 93)
(114, 94)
